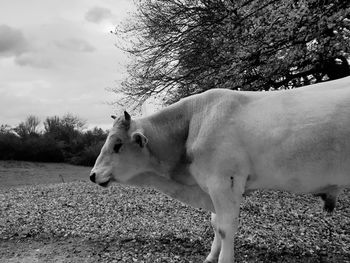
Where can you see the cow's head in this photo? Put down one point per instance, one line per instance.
(124, 154)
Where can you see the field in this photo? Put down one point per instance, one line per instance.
(51, 213)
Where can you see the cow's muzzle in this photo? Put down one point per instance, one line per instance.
(93, 177)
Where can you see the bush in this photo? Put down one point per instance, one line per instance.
(39, 149)
(60, 142)
(46, 150)
(88, 156)
(10, 145)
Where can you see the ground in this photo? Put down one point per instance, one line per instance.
(51, 213)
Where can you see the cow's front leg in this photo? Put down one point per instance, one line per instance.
(216, 245)
(227, 197)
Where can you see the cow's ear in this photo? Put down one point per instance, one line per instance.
(127, 116)
(139, 138)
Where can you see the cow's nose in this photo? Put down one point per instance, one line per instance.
(93, 177)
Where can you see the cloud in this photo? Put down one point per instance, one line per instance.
(98, 14)
(33, 60)
(30, 97)
(75, 44)
(12, 42)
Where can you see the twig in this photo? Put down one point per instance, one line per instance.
(60, 175)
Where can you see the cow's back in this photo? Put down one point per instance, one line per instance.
(299, 140)
(296, 140)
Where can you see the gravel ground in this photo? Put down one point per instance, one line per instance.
(81, 222)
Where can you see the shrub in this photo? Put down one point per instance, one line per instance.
(62, 141)
(39, 149)
(10, 144)
(88, 156)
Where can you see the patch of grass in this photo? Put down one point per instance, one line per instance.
(127, 224)
(15, 173)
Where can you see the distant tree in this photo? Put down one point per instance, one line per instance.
(94, 136)
(93, 141)
(73, 122)
(65, 128)
(67, 131)
(72, 127)
(28, 127)
(183, 47)
(32, 122)
(63, 139)
(52, 125)
(5, 129)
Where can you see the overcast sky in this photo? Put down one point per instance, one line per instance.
(57, 56)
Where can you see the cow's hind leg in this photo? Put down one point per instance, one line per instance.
(226, 194)
(216, 245)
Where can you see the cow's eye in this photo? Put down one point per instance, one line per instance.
(117, 147)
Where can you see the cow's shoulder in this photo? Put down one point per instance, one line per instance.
(218, 104)
(214, 122)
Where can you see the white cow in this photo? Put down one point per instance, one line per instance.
(208, 150)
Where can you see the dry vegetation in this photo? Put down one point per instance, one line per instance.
(80, 222)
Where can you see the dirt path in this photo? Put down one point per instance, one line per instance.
(17, 173)
(77, 250)
(58, 251)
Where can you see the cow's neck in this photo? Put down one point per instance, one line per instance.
(167, 132)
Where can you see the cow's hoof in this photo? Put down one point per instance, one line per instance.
(210, 261)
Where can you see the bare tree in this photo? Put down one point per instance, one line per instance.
(183, 47)
(5, 129)
(28, 127)
(32, 123)
(73, 122)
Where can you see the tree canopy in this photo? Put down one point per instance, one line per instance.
(28, 127)
(183, 47)
(63, 139)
